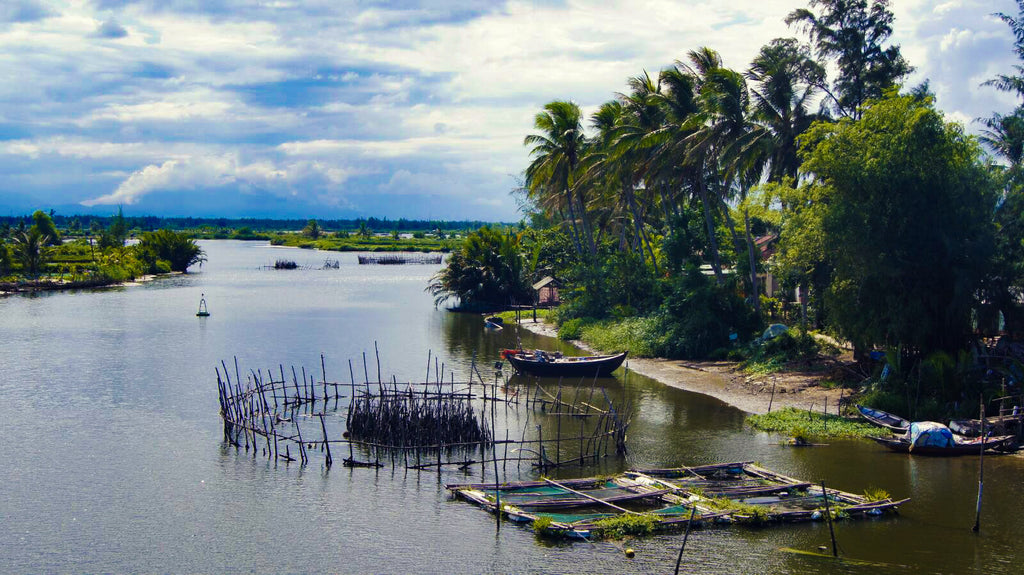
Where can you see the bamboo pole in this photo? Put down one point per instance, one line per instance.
(828, 514)
(590, 497)
(981, 467)
(679, 559)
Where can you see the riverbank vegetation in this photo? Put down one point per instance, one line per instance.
(703, 203)
(805, 425)
(30, 259)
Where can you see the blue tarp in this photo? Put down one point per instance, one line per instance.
(930, 434)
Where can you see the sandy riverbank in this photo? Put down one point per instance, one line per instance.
(722, 380)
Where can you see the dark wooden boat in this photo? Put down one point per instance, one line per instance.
(884, 419)
(1002, 424)
(963, 445)
(545, 364)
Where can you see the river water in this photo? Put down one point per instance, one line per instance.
(112, 456)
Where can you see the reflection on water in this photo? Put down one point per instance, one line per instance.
(114, 460)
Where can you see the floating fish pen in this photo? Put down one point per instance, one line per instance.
(433, 424)
(400, 259)
(329, 264)
(648, 501)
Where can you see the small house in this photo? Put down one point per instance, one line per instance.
(546, 292)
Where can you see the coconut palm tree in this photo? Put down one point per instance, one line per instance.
(785, 87)
(30, 250)
(675, 157)
(554, 171)
(727, 136)
(618, 157)
(489, 271)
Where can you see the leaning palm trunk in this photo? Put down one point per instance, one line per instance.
(752, 254)
(585, 223)
(716, 264)
(732, 228)
(638, 224)
(572, 221)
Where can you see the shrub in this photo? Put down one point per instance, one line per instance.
(699, 315)
(178, 249)
(640, 336)
(572, 329)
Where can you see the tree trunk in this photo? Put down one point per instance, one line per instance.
(716, 264)
(572, 221)
(638, 224)
(752, 254)
(585, 222)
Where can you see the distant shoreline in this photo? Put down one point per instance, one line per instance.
(14, 288)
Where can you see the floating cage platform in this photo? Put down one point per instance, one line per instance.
(667, 499)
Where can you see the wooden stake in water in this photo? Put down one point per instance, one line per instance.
(828, 514)
(981, 467)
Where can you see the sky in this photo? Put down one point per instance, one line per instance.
(348, 108)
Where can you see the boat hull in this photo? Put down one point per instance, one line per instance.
(598, 366)
(884, 419)
(973, 448)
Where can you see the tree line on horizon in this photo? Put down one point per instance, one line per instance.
(78, 224)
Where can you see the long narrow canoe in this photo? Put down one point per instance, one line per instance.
(884, 419)
(963, 446)
(550, 366)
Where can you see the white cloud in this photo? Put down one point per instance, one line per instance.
(215, 172)
(303, 97)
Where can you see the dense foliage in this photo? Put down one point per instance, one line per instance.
(490, 271)
(177, 249)
(906, 224)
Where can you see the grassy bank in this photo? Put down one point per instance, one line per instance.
(366, 244)
(525, 315)
(798, 423)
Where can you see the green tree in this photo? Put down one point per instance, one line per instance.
(551, 176)
(116, 234)
(786, 82)
(176, 248)
(907, 224)
(312, 230)
(490, 270)
(5, 259)
(854, 32)
(30, 250)
(43, 224)
(1013, 82)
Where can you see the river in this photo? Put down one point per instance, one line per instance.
(112, 456)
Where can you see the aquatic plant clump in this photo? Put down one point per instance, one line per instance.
(797, 422)
(626, 525)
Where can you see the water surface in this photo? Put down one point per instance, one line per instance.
(114, 460)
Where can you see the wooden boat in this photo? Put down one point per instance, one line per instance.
(963, 445)
(547, 364)
(884, 419)
(1002, 424)
(494, 322)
